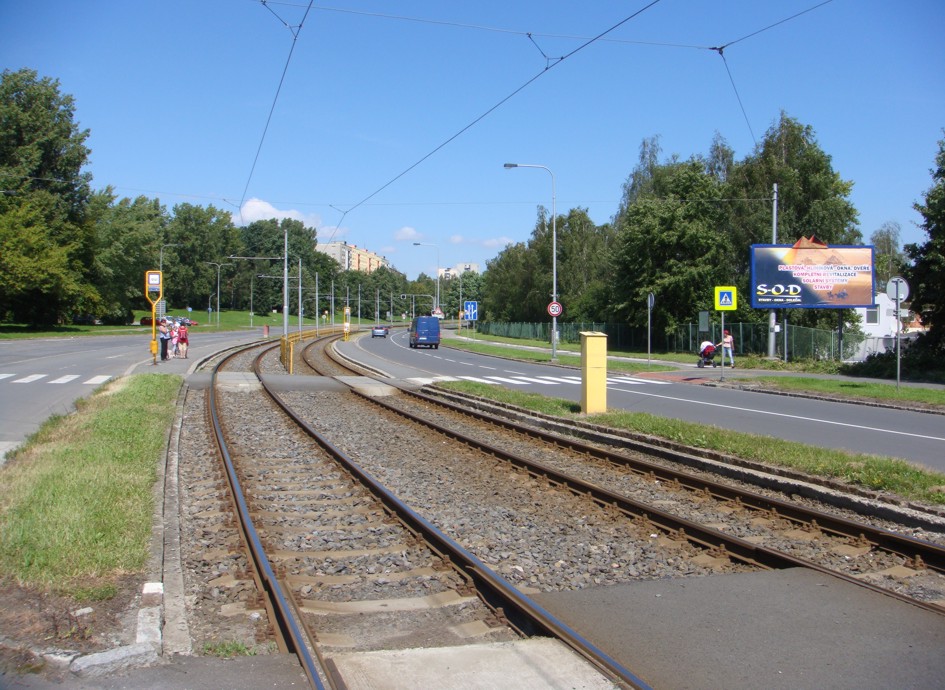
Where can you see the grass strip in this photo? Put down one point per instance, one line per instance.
(76, 501)
(855, 389)
(873, 472)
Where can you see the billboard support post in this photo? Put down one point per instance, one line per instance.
(772, 316)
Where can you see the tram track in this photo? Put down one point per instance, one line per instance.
(726, 521)
(353, 567)
(612, 537)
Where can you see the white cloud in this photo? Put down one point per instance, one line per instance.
(501, 242)
(407, 233)
(457, 239)
(256, 209)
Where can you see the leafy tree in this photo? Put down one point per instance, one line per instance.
(47, 239)
(127, 234)
(459, 289)
(197, 235)
(926, 276)
(812, 200)
(671, 242)
(640, 180)
(511, 292)
(584, 267)
(888, 259)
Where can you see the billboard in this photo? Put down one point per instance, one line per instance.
(811, 275)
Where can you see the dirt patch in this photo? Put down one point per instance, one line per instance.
(34, 623)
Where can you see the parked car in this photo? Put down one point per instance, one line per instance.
(146, 321)
(379, 332)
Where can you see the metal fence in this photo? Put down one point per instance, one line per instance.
(800, 342)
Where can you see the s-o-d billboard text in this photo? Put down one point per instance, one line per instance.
(811, 275)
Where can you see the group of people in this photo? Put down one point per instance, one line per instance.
(174, 339)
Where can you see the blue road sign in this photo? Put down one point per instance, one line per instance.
(471, 311)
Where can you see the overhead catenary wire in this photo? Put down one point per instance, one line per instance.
(502, 102)
(295, 37)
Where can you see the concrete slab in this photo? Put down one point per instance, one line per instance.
(369, 387)
(535, 664)
(786, 629)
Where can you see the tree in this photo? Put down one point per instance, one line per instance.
(888, 259)
(584, 266)
(510, 291)
(812, 200)
(926, 275)
(126, 236)
(671, 242)
(640, 179)
(47, 241)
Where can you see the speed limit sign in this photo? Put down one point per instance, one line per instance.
(555, 309)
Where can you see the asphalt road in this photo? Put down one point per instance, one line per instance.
(41, 377)
(913, 436)
(45, 376)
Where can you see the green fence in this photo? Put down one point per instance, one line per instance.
(750, 338)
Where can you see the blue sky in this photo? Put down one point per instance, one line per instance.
(376, 138)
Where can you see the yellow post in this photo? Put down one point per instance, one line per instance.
(593, 372)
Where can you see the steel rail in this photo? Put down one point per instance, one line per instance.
(517, 608)
(931, 555)
(717, 542)
(277, 601)
(919, 552)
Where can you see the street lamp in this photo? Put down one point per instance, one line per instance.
(424, 244)
(219, 266)
(161, 262)
(554, 254)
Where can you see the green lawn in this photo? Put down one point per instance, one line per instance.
(77, 501)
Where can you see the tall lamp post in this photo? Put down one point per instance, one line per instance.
(437, 248)
(161, 261)
(554, 254)
(219, 266)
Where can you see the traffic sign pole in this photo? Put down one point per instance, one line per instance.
(554, 309)
(898, 290)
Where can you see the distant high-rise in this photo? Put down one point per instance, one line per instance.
(352, 257)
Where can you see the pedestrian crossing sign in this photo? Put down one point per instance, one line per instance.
(726, 298)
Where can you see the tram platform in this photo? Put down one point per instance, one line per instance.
(784, 629)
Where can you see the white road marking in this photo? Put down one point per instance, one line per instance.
(789, 416)
(65, 379)
(30, 379)
(96, 380)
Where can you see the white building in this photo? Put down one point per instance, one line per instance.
(353, 258)
(457, 270)
(879, 324)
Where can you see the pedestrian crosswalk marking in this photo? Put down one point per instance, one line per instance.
(67, 378)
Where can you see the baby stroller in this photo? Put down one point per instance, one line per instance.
(707, 355)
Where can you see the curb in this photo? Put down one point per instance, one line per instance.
(161, 628)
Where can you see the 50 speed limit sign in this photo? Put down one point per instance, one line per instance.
(555, 309)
